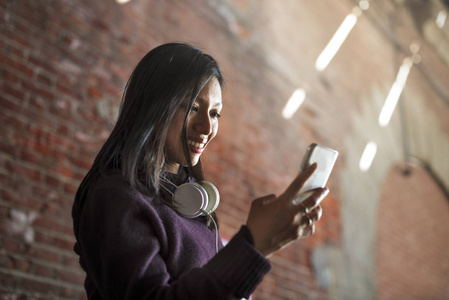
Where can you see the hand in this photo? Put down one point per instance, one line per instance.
(276, 221)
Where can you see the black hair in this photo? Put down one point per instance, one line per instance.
(162, 82)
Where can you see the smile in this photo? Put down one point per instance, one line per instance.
(196, 144)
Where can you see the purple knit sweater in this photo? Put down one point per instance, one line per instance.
(135, 247)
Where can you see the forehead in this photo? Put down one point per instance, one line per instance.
(211, 93)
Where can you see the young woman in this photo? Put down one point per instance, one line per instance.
(133, 237)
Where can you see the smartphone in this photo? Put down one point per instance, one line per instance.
(325, 158)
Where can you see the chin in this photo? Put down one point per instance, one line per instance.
(195, 160)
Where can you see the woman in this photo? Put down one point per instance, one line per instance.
(132, 238)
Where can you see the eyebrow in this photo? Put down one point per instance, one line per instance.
(203, 100)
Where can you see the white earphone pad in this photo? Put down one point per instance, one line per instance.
(213, 196)
(190, 199)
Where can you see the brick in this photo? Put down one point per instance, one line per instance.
(37, 134)
(41, 253)
(60, 141)
(64, 171)
(37, 61)
(9, 104)
(62, 130)
(12, 121)
(64, 244)
(39, 286)
(70, 261)
(12, 245)
(47, 223)
(5, 262)
(43, 271)
(37, 91)
(70, 276)
(52, 182)
(30, 157)
(15, 51)
(58, 154)
(25, 171)
(62, 113)
(32, 145)
(9, 77)
(79, 176)
(44, 194)
(16, 200)
(95, 93)
(8, 149)
(68, 90)
(37, 103)
(21, 264)
(37, 117)
(4, 211)
(70, 189)
(15, 37)
(81, 163)
(44, 80)
(15, 65)
(9, 283)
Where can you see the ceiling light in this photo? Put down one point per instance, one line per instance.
(293, 103)
(368, 156)
(395, 92)
(441, 18)
(337, 40)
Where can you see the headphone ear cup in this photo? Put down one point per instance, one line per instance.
(213, 196)
(190, 199)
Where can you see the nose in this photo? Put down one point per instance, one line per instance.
(202, 123)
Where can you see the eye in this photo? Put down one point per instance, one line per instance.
(195, 107)
(215, 114)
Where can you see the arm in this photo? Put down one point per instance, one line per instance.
(121, 239)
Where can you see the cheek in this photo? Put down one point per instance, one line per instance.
(174, 133)
(214, 131)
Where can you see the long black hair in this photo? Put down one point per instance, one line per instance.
(162, 82)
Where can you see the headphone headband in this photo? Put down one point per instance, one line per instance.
(194, 199)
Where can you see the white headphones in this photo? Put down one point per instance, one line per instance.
(194, 199)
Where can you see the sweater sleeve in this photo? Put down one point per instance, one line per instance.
(121, 238)
(239, 265)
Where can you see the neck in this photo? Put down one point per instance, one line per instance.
(171, 168)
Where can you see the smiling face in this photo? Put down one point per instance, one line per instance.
(202, 127)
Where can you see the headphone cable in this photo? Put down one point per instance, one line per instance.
(203, 211)
(216, 229)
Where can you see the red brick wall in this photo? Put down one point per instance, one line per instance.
(64, 63)
(412, 256)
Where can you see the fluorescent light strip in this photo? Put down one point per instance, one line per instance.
(336, 42)
(293, 103)
(441, 18)
(368, 156)
(395, 92)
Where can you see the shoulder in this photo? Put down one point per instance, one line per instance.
(111, 179)
(111, 191)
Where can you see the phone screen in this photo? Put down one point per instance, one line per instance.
(325, 158)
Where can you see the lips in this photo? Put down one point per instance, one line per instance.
(196, 147)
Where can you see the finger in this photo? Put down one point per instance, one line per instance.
(299, 181)
(315, 214)
(307, 231)
(305, 221)
(315, 199)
